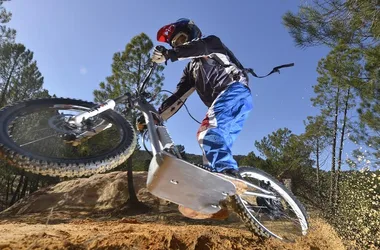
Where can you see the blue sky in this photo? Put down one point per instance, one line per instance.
(74, 41)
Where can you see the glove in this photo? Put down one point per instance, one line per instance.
(159, 54)
(141, 123)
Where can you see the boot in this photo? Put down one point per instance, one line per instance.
(234, 176)
(192, 214)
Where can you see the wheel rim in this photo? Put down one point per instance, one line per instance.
(39, 131)
(282, 219)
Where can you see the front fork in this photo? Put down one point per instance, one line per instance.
(79, 119)
(158, 135)
(80, 132)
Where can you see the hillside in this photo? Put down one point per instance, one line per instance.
(89, 213)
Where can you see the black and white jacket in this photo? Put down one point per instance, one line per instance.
(213, 67)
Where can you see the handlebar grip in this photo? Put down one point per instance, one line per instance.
(160, 48)
(288, 65)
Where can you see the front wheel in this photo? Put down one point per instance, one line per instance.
(35, 135)
(282, 217)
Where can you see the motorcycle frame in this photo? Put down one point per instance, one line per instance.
(138, 101)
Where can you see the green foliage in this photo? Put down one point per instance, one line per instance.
(19, 75)
(182, 151)
(354, 26)
(348, 74)
(358, 213)
(329, 22)
(369, 113)
(285, 151)
(338, 72)
(128, 69)
(252, 160)
(16, 184)
(195, 159)
(6, 34)
(19, 79)
(318, 137)
(317, 134)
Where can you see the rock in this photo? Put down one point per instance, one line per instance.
(96, 193)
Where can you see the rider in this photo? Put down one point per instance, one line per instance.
(220, 81)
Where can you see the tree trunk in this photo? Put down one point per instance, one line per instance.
(15, 194)
(133, 205)
(335, 132)
(33, 186)
(23, 191)
(318, 167)
(6, 85)
(131, 189)
(337, 173)
(10, 187)
(12, 182)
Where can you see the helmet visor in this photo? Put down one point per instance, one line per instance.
(165, 33)
(179, 39)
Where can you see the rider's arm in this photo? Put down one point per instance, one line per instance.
(197, 48)
(172, 104)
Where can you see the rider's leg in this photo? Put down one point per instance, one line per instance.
(223, 123)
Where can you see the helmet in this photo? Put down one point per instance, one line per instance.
(179, 32)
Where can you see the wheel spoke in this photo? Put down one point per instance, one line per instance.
(259, 195)
(39, 130)
(44, 138)
(292, 219)
(271, 207)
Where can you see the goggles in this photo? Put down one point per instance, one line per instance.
(179, 39)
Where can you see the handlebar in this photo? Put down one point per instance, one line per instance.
(147, 77)
(140, 86)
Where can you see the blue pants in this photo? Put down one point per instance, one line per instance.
(224, 121)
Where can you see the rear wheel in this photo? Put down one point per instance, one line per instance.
(284, 217)
(35, 136)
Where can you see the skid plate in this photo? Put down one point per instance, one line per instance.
(183, 183)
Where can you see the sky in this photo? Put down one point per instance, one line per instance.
(74, 41)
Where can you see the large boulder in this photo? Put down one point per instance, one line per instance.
(93, 194)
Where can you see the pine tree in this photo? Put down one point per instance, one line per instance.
(330, 22)
(19, 74)
(339, 76)
(356, 24)
(317, 136)
(128, 69)
(285, 151)
(6, 34)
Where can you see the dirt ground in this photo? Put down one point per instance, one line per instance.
(89, 214)
(167, 230)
